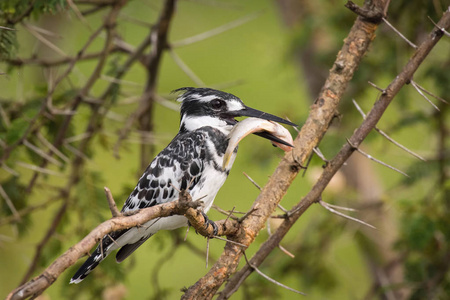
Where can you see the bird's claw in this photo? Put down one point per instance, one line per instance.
(212, 223)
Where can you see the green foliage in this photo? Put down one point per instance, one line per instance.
(8, 42)
(425, 236)
(16, 131)
(271, 79)
(11, 9)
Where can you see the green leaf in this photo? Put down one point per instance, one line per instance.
(16, 131)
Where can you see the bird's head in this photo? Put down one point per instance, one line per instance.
(208, 107)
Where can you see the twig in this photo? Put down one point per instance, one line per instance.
(270, 279)
(399, 33)
(330, 209)
(388, 137)
(112, 204)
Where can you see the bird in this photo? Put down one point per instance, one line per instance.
(192, 161)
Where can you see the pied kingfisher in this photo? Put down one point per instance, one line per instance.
(192, 161)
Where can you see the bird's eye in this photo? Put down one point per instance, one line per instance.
(217, 103)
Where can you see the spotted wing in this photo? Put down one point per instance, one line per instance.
(177, 167)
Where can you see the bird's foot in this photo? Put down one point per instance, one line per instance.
(212, 223)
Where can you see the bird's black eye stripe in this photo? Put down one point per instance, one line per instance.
(217, 103)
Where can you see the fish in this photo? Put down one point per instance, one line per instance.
(281, 137)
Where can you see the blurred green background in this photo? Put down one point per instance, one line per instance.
(276, 61)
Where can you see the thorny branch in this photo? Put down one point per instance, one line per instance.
(321, 114)
(335, 164)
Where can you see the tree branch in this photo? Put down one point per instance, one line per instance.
(323, 110)
(334, 165)
(184, 206)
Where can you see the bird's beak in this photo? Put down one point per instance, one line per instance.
(251, 112)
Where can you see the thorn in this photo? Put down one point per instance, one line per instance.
(7, 28)
(207, 252)
(9, 170)
(283, 209)
(76, 152)
(341, 207)
(330, 209)
(440, 28)
(187, 231)
(270, 279)
(41, 153)
(42, 39)
(229, 215)
(101, 247)
(399, 33)
(227, 240)
(252, 181)
(319, 154)
(113, 240)
(383, 92)
(285, 251)
(246, 215)
(431, 94)
(39, 169)
(423, 95)
(388, 137)
(52, 148)
(188, 71)
(216, 31)
(376, 160)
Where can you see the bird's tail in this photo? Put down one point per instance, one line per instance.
(88, 265)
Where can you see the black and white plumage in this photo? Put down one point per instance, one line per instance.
(192, 161)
